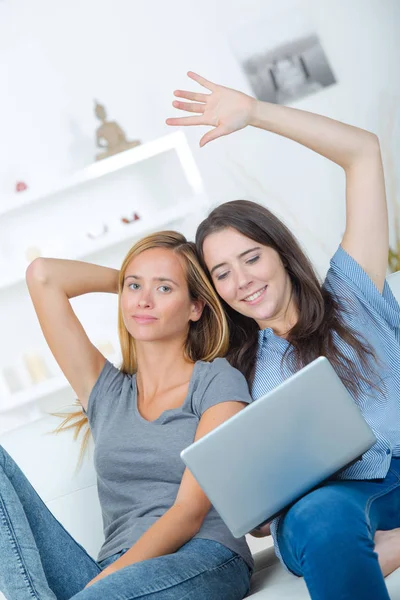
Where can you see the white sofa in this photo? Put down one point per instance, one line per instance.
(49, 461)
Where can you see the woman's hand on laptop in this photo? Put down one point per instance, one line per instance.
(261, 531)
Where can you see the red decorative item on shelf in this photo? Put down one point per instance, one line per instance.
(135, 217)
(21, 186)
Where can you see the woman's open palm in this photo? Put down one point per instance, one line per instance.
(225, 109)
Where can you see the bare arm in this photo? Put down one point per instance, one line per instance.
(51, 283)
(261, 532)
(184, 519)
(355, 150)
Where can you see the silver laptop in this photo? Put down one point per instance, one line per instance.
(278, 448)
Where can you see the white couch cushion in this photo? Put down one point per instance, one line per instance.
(272, 582)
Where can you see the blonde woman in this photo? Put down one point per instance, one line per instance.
(163, 539)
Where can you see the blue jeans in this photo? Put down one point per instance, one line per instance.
(328, 536)
(40, 560)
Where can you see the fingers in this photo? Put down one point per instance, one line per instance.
(212, 135)
(191, 96)
(183, 121)
(202, 81)
(198, 105)
(194, 107)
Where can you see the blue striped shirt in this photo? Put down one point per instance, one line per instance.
(376, 317)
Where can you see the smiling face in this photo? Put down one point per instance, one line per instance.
(250, 277)
(155, 299)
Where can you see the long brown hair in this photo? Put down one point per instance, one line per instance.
(319, 315)
(207, 338)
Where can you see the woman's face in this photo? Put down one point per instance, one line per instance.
(250, 277)
(155, 300)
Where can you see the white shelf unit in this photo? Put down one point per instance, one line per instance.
(26, 201)
(158, 180)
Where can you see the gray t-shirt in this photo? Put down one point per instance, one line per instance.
(138, 464)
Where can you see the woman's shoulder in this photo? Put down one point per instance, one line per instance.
(216, 367)
(111, 376)
(109, 385)
(353, 288)
(217, 381)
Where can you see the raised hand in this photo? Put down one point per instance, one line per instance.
(225, 109)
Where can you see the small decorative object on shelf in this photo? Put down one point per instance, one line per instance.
(36, 367)
(126, 220)
(110, 135)
(96, 233)
(32, 252)
(20, 186)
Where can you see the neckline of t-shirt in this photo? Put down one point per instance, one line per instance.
(160, 419)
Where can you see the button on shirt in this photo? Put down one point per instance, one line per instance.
(375, 318)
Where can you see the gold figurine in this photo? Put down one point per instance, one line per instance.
(110, 135)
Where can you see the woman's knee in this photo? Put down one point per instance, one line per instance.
(6, 462)
(325, 515)
(3, 457)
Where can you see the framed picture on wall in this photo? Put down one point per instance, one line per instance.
(282, 57)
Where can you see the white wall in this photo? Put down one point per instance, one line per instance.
(131, 55)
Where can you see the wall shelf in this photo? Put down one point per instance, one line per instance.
(165, 189)
(174, 141)
(133, 231)
(36, 392)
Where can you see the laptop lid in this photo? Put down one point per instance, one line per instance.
(279, 447)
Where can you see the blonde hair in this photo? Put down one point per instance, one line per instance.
(207, 338)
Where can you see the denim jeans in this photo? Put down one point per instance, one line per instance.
(40, 560)
(328, 536)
